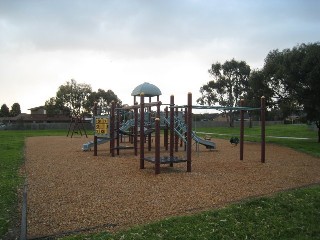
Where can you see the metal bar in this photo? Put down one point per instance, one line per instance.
(151, 104)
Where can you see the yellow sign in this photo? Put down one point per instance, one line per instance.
(102, 125)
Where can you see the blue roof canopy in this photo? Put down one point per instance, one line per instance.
(148, 89)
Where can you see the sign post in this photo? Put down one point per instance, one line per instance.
(102, 126)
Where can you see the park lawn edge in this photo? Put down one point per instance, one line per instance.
(281, 208)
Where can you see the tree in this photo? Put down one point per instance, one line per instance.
(294, 74)
(5, 111)
(73, 96)
(15, 110)
(54, 107)
(258, 87)
(103, 99)
(229, 84)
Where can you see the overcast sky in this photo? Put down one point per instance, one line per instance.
(119, 44)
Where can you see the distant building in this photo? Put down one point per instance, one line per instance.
(222, 118)
(38, 110)
(38, 115)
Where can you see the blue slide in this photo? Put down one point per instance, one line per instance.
(87, 146)
(206, 143)
(181, 129)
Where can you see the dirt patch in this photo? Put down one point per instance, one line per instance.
(70, 190)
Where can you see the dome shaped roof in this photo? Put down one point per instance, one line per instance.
(148, 89)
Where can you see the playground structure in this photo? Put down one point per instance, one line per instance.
(178, 124)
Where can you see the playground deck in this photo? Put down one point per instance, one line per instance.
(70, 190)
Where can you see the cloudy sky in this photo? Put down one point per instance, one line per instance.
(119, 44)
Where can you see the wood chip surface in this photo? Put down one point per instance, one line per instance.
(70, 190)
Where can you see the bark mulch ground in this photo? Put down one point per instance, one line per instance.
(71, 190)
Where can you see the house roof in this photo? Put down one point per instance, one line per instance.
(148, 89)
(36, 117)
(36, 108)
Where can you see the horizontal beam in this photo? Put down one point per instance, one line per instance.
(152, 104)
(220, 107)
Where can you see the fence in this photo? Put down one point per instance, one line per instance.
(43, 126)
(88, 126)
(210, 124)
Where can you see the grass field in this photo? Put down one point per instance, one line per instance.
(298, 137)
(11, 154)
(290, 215)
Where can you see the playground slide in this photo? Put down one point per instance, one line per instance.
(206, 143)
(127, 125)
(181, 128)
(87, 146)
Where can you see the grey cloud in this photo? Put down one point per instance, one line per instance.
(144, 27)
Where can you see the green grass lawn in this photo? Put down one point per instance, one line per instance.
(274, 134)
(290, 215)
(11, 159)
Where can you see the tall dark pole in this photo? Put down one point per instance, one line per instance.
(263, 129)
(189, 129)
(142, 131)
(165, 131)
(112, 119)
(117, 132)
(171, 128)
(241, 129)
(149, 122)
(135, 141)
(157, 147)
(176, 138)
(95, 138)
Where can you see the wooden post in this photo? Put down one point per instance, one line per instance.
(165, 131)
(135, 140)
(95, 138)
(176, 137)
(186, 121)
(149, 123)
(157, 146)
(142, 131)
(189, 130)
(171, 128)
(112, 118)
(158, 111)
(117, 132)
(263, 129)
(241, 129)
